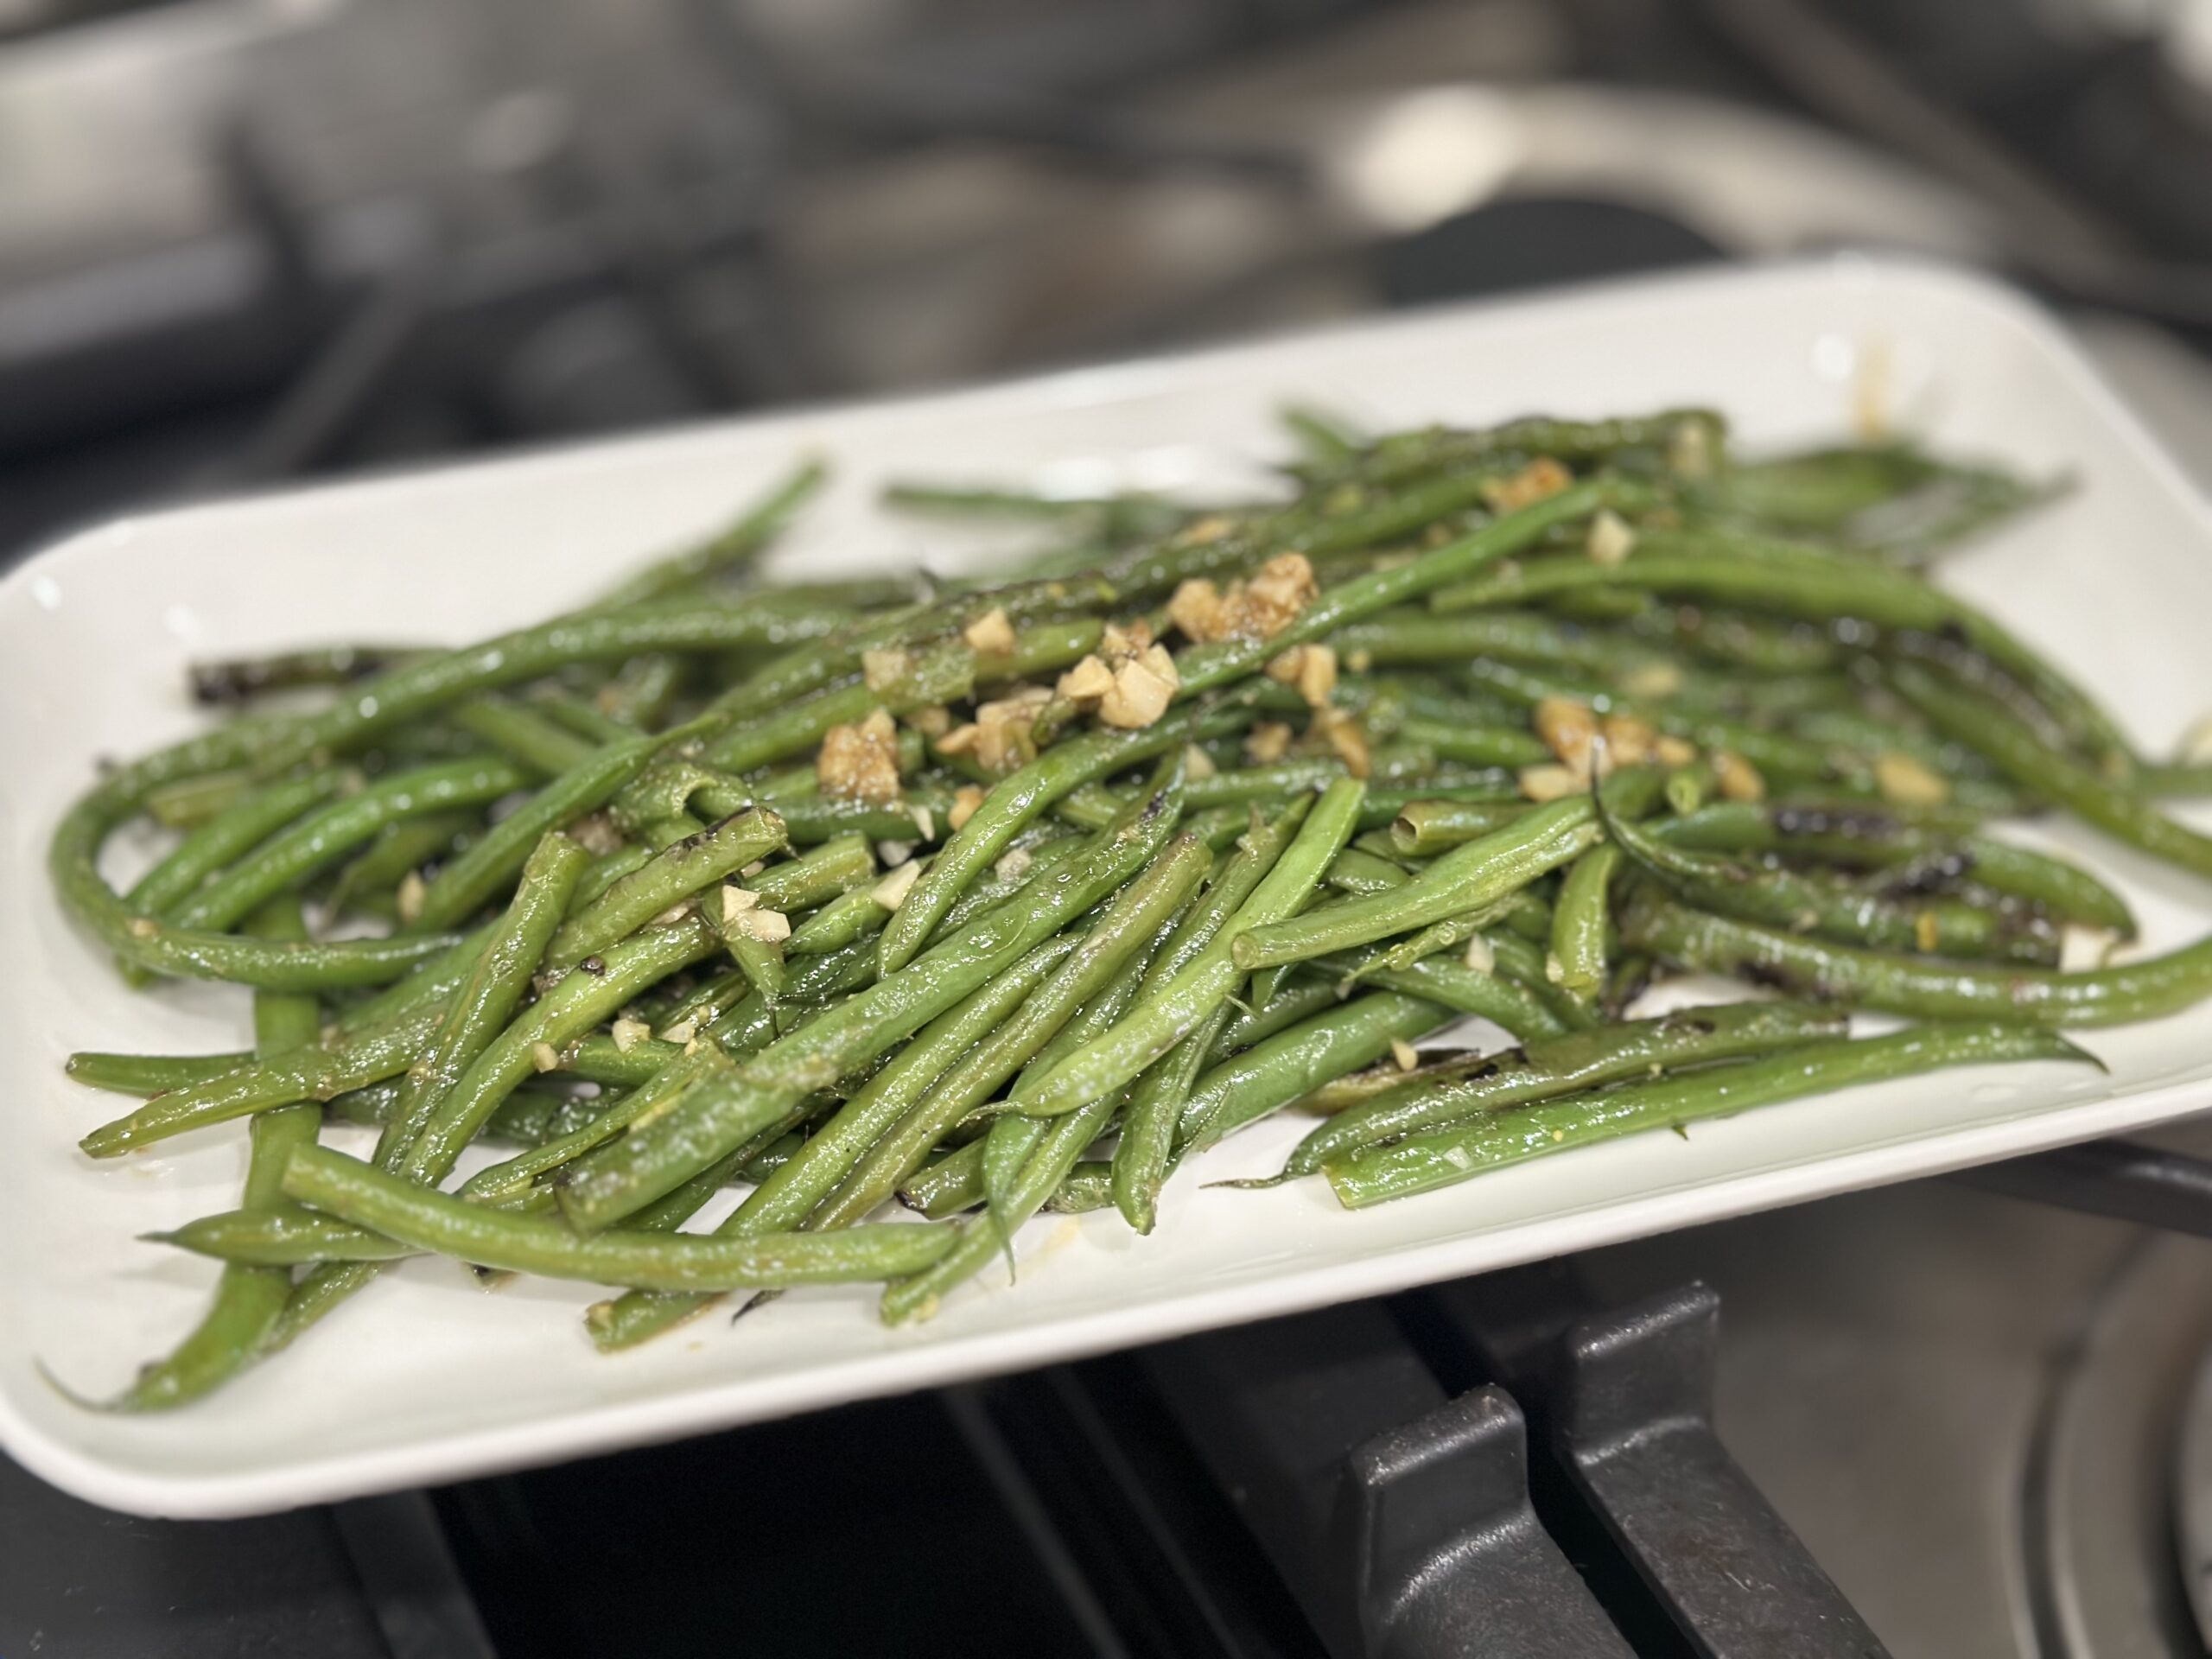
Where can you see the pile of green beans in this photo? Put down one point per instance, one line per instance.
(856, 894)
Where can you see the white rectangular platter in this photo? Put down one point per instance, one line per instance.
(427, 1378)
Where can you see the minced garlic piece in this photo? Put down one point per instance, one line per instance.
(1012, 864)
(991, 633)
(545, 1057)
(1141, 692)
(1905, 781)
(885, 667)
(1652, 682)
(1197, 764)
(1346, 739)
(765, 926)
(859, 762)
(1087, 681)
(892, 854)
(1267, 742)
(1673, 750)
(1310, 669)
(1925, 933)
(1629, 742)
(1118, 644)
(1569, 730)
(892, 891)
(1737, 778)
(1479, 956)
(1689, 450)
(682, 1032)
(1552, 782)
(736, 901)
(965, 800)
(1540, 481)
(628, 1034)
(925, 822)
(1360, 660)
(1258, 608)
(410, 898)
(597, 834)
(1611, 540)
(1406, 1056)
(930, 720)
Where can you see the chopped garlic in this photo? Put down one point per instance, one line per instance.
(1569, 730)
(1673, 750)
(991, 633)
(1267, 743)
(892, 854)
(682, 1032)
(1652, 682)
(2083, 949)
(1611, 540)
(1012, 864)
(1552, 782)
(884, 668)
(411, 889)
(1197, 764)
(1404, 1053)
(628, 1034)
(930, 720)
(736, 901)
(859, 762)
(1089, 680)
(924, 821)
(764, 927)
(1139, 697)
(1905, 781)
(1738, 779)
(545, 1057)
(1540, 481)
(892, 891)
(1479, 956)
(965, 800)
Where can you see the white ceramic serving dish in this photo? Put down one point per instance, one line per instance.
(427, 1378)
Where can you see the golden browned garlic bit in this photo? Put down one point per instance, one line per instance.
(1267, 743)
(1311, 669)
(1540, 479)
(1347, 738)
(859, 762)
(965, 800)
(930, 720)
(885, 667)
(1142, 689)
(1629, 742)
(1258, 608)
(1737, 778)
(1905, 781)
(1611, 540)
(999, 736)
(991, 633)
(1569, 730)
(1552, 782)
(1673, 750)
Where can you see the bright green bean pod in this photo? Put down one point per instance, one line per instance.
(311, 1073)
(1497, 997)
(677, 874)
(432, 1221)
(2014, 750)
(1144, 1153)
(292, 1237)
(401, 850)
(954, 1182)
(486, 1001)
(1182, 993)
(477, 874)
(1924, 989)
(496, 1182)
(1564, 1065)
(580, 1001)
(731, 548)
(1471, 875)
(225, 839)
(1012, 804)
(144, 1075)
(1443, 1157)
(1582, 921)
(247, 1299)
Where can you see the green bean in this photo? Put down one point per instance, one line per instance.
(325, 835)
(428, 1220)
(1505, 1001)
(1475, 873)
(1424, 828)
(486, 1001)
(1290, 1004)
(1422, 637)
(1452, 1154)
(1296, 1061)
(494, 861)
(1582, 920)
(526, 737)
(2014, 750)
(290, 1237)
(1930, 990)
(225, 839)
(732, 548)
(1143, 1155)
(1564, 1065)
(1818, 904)
(845, 920)
(1203, 667)
(580, 1001)
(979, 1239)
(400, 850)
(675, 875)
(243, 678)
(1012, 804)
(1477, 746)
(247, 1299)
(1184, 991)
(150, 1074)
(657, 1156)
(313, 1072)
(785, 1197)
(498, 1182)
(1400, 455)
(954, 1182)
